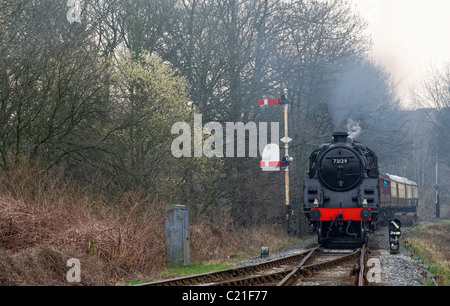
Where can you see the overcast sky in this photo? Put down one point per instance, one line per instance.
(409, 36)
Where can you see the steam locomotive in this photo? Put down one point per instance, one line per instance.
(345, 194)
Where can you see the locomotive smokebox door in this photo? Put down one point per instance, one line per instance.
(394, 236)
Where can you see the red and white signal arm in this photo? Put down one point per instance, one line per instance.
(272, 101)
(268, 101)
(271, 158)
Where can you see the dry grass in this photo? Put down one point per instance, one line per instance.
(127, 239)
(42, 214)
(431, 242)
(211, 243)
(47, 266)
(44, 221)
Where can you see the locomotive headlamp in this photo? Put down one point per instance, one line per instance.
(364, 202)
(316, 203)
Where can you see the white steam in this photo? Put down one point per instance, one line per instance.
(353, 128)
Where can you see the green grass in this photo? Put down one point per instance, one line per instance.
(198, 268)
(424, 225)
(429, 241)
(249, 247)
(192, 269)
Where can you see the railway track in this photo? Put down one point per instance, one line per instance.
(335, 268)
(316, 266)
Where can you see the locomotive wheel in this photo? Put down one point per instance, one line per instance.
(320, 238)
(319, 234)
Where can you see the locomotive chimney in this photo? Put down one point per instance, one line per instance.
(340, 137)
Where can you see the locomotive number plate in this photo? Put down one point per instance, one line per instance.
(340, 160)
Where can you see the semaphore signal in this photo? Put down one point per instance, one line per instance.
(273, 101)
(272, 162)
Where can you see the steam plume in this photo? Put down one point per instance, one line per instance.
(353, 128)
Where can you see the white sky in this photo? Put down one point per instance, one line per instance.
(409, 36)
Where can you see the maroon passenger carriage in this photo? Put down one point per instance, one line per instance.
(399, 198)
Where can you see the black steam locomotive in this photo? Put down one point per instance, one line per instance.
(346, 194)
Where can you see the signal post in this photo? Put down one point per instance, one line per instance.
(284, 163)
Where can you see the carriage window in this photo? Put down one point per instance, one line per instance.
(393, 189)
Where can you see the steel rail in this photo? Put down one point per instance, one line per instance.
(254, 280)
(331, 263)
(362, 266)
(266, 278)
(291, 277)
(222, 276)
(313, 268)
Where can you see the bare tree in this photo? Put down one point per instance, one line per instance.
(434, 94)
(52, 86)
